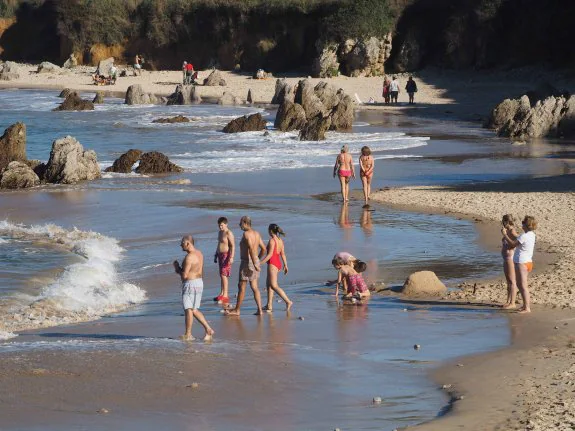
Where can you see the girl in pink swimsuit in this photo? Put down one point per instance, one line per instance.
(343, 168)
(356, 286)
(276, 254)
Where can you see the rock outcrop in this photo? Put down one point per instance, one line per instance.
(70, 62)
(18, 175)
(283, 91)
(155, 162)
(13, 145)
(524, 118)
(73, 102)
(315, 128)
(104, 66)
(423, 283)
(214, 79)
(252, 123)
(290, 116)
(69, 163)
(229, 99)
(250, 98)
(184, 95)
(135, 96)
(98, 98)
(327, 64)
(66, 92)
(9, 71)
(124, 163)
(47, 67)
(171, 120)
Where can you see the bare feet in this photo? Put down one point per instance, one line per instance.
(267, 309)
(187, 337)
(258, 313)
(209, 335)
(288, 305)
(524, 310)
(232, 312)
(508, 306)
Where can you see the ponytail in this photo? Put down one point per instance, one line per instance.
(276, 230)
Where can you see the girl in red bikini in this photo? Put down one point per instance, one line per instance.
(366, 165)
(343, 168)
(276, 254)
(356, 286)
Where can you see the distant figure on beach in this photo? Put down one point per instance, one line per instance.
(507, 251)
(224, 256)
(113, 74)
(411, 88)
(523, 258)
(385, 93)
(343, 168)
(356, 286)
(276, 255)
(251, 248)
(184, 64)
(191, 271)
(189, 74)
(366, 166)
(137, 65)
(394, 90)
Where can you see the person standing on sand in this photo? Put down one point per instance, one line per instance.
(394, 90)
(276, 254)
(343, 168)
(190, 272)
(523, 258)
(385, 92)
(411, 88)
(507, 252)
(366, 166)
(224, 257)
(137, 65)
(251, 248)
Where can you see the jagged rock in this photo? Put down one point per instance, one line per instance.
(315, 128)
(229, 99)
(73, 102)
(364, 57)
(47, 67)
(327, 64)
(283, 91)
(135, 96)
(66, 92)
(176, 119)
(423, 283)
(69, 163)
(290, 116)
(13, 145)
(155, 162)
(215, 79)
(18, 175)
(38, 167)
(342, 113)
(250, 99)
(104, 66)
(9, 71)
(307, 98)
(184, 95)
(246, 123)
(124, 163)
(99, 97)
(70, 62)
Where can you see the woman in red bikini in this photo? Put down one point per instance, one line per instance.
(343, 168)
(276, 254)
(366, 165)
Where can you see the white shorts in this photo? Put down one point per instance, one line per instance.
(137, 66)
(192, 291)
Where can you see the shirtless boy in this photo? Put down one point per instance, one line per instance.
(251, 248)
(190, 272)
(224, 257)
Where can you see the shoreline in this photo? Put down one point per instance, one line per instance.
(528, 384)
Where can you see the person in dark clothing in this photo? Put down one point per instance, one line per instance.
(411, 89)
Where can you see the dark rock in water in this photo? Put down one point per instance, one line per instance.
(124, 163)
(13, 145)
(73, 102)
(290, 116)
(315, 129)
(342, 113)
(18, 175)
(66, 92)
(283, 91)
(135, 96)
(69, 163)
(155, 162)
(176, 119)
(215, 79)
(99, 97)
(246, 123)
(184, 95)
(305, 96)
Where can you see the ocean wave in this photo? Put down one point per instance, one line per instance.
(84, 290)
(7, 335)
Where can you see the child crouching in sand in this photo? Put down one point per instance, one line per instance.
(356, 286)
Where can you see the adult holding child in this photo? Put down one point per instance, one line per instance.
(251, 248)
(343, 168)
(366, 166)
(523, 258)
(276, 255)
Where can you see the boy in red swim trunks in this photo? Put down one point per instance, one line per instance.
(224, 257)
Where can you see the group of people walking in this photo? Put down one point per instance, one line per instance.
(345, 172)
(391, 90)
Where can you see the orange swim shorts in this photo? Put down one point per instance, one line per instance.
(529, 266)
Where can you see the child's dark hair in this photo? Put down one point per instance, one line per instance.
(222, 220)
(276, 230)
(359, 266)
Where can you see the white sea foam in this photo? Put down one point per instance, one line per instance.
(4, 241)
(83, 290)
(7, 335)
